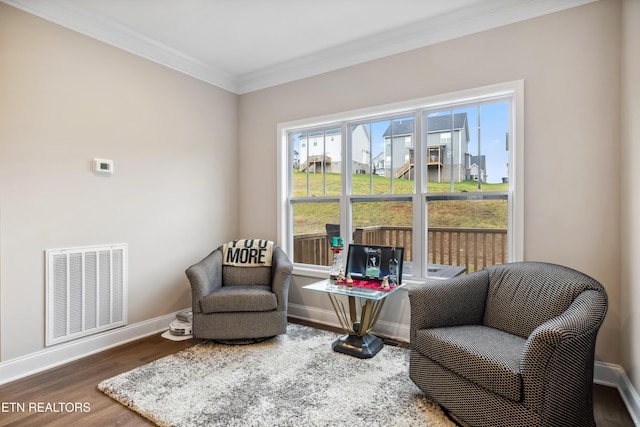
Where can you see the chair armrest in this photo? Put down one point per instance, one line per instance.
(280, 277)
(559, 354)
(205, 277)
(457, 301)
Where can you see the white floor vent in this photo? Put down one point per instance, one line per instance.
(86, 291)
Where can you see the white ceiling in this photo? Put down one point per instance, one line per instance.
(246, 45)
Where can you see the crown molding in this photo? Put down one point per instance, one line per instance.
(481, 17)
(114, 34)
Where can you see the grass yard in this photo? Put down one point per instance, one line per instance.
(312, 217)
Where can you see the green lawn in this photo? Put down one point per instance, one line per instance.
(312, 217)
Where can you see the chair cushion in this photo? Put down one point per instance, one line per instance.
(486, 356)
(239, 298)
(243, 276)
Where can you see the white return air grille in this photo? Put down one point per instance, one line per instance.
(86, 291)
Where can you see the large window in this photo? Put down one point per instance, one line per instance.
(440, 177)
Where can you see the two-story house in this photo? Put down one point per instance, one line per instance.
(448, 158)
(321, 150)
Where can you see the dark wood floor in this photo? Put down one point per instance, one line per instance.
(75, 384)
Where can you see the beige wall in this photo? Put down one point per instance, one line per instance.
(570, 62)
(630, 225)
(65, 99)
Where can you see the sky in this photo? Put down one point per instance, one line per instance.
(494, 121)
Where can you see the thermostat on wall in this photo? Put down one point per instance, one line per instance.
(103, 166)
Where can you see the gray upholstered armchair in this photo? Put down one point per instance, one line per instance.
(232, 302)
(511, 345)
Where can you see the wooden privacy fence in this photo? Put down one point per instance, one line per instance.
(473, 248)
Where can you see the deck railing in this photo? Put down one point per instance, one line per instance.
(312, 249)
(386, 235)
(473, 248)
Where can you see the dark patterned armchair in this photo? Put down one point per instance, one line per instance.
(240, 301)
(510, 345)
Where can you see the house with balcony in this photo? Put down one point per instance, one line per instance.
(448, 158)
(320, 151)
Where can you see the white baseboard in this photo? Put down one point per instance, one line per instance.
(604, 373)
(614, 376)
(51, 357)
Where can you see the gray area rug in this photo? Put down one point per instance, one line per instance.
(291, 380)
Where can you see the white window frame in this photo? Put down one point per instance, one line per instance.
(509, 90)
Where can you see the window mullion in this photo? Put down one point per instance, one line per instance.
(391, 144)
(419, 244)
(347, 170)
(308, 167)
(323, 162)
(370, 157)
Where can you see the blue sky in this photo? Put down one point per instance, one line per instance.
(494, 126)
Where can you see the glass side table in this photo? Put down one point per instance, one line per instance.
(358, 342)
